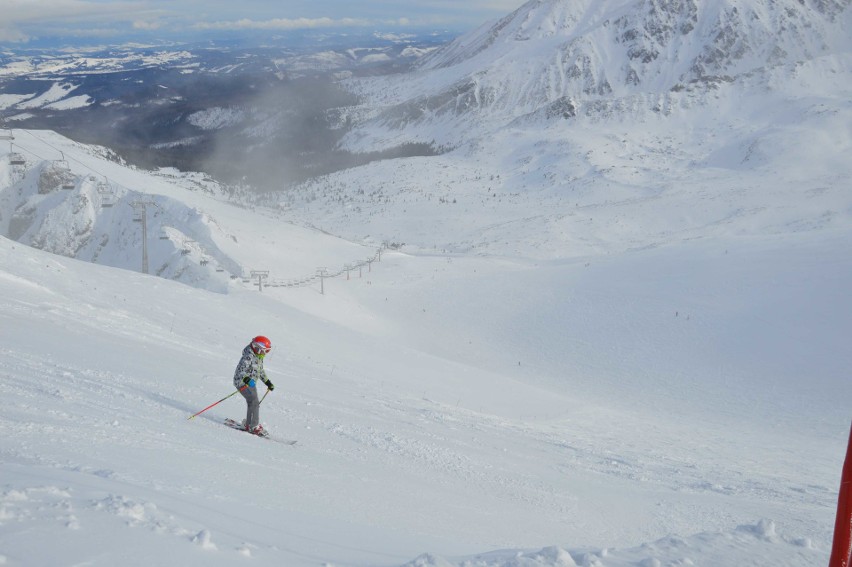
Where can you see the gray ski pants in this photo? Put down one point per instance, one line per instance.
(253, 412)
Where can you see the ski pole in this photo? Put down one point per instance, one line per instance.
(219, 402)
(264, 397)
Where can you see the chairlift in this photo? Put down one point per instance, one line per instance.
(204, 261)
(220, 269)
(68, 185)
(6, 134)
(14, 157)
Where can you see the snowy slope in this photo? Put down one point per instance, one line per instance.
(614, 334)
(619, 177)
(680, 401)
(80, 203)
(641, 417)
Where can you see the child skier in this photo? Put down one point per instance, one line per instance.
(249, 371)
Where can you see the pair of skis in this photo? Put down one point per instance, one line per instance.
(239, 426)
(234, 424)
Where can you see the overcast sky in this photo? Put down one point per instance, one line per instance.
(24, 22)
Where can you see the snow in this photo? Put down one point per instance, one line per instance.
(682, 404)
(10, 100)
(613, 340)
(78, 62)
(190, 211)
(55, 93)
(71, 103)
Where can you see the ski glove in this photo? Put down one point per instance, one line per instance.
(249, 381)
(270, 385)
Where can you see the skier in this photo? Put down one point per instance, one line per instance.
(249, 371)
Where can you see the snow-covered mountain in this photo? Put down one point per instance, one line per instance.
(608, 328)
(87, 204)
(563, 55)
(610, 47)
(545, 168)
(67, 64)
(734, 115)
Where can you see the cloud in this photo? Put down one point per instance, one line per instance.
(13, 35)
(146, 25)
(24, 20)
(294, 24)
(18, 12)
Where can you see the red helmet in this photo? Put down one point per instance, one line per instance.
(261, 345)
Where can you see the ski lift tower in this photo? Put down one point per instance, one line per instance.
(260, 276)
(322, 272)
(140, 208)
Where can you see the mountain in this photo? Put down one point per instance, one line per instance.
(547, 168)
(605, 329)
(567, 57)
(542, 131)
(654, 44)
(85, 203)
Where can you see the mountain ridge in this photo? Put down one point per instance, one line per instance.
(550, 50)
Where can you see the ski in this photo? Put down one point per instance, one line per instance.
(234, 424)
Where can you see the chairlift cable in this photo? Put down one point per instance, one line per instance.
(48, 144)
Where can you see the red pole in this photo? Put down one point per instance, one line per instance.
(840, 550)
(219, 402)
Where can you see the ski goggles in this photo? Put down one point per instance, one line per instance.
(261, 350)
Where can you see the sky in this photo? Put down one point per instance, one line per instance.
(81, 22)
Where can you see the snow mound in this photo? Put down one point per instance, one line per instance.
(709, 548)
